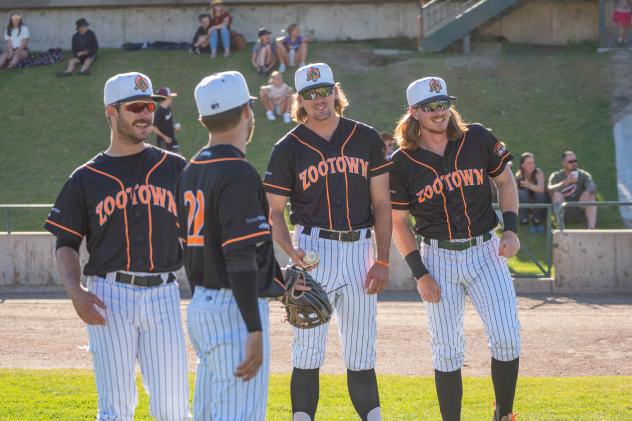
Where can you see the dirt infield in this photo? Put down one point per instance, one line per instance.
(561, 336)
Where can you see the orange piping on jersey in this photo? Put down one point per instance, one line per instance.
(151, 249)
(276, 187)
(212, 161)
(445, 208)
(499, 165)
(129, 259)
(456, 167)
(342, 153)
(245, 237)
(64, 228)
(382, 166)
(331, 225)
(281, 284)
(400, 203)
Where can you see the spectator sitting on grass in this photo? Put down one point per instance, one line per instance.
(201, 42)
(291, 48)
(389, 143)
(164, 127)
(17, 39)
(531, 189)
(84, 49)
(263, 53)
(220, 27)
(276, 98)
(571, 184)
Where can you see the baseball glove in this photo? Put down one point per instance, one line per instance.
(305, 301)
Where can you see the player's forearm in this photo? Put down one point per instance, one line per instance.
(281, 233)
(404, 236)
(507, 196)
(69, 269)
(383, 229)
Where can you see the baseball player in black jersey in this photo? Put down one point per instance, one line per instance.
(229, 257)
(335, 174)
(122, 201)
(441, 175)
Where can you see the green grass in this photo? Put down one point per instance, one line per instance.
(71, 395)
(543, 100)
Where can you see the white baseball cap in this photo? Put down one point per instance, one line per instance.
(221, 92)
(428, 89)
(313, 76)
(127, 87)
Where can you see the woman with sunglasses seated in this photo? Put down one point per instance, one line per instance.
(531, 189)
(570, 184)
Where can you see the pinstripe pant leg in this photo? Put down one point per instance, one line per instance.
(492, 292)
(356, 310)
(114, 347)
(445, 318)
(162, 353)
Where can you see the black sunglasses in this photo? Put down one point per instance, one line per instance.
(572, 161)
(312, 94)
(435, 106)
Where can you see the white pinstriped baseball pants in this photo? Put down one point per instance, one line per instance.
(484, 276)
(218, 333)
(341, 271)
(142, 324)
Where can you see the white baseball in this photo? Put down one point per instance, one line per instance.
(311, 258)
(177, 126)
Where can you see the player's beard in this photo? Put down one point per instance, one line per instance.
(126, 129)
(432, 128)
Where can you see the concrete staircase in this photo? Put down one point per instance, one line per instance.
(447, 21)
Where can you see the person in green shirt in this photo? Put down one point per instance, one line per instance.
(571, 184)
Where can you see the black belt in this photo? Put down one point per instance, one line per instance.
(146, 281)
(348, 236)
(458, 246)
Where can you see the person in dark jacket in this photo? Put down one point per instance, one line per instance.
(84, 49)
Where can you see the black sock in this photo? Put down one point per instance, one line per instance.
(504, 377)
(363, 391)
(450, 392)
(304, 389)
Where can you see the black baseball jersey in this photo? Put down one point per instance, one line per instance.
(328, 182)
(450, 195)
(126, 209)
(163, 120)
(222, 208)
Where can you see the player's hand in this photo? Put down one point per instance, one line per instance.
(428, 289)
(84, 303)
(248, 368)
(509, 245)
(376, 279)
(297, 258)
(168, 139)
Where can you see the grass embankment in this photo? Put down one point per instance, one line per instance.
(539, 100)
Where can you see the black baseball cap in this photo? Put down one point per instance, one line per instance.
(263, 31)
(82, 22)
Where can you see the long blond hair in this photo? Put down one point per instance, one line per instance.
(407, 132)
(299, 115)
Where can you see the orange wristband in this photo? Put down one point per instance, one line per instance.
(380, 262)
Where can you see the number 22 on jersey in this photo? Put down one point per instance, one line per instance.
(195, 221)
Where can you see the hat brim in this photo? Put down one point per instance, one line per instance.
(316, 86)
(435, 98)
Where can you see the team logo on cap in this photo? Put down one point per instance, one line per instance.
(141, 84)
(313, 74)
(435, 85)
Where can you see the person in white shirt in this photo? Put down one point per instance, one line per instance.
(276, 98)
(16, 37)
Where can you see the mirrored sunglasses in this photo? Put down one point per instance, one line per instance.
(139, 107)
(435, 106)
(312, 94)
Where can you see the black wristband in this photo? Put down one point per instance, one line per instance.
(510, 221)
(416, 264)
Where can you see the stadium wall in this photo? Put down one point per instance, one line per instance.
(549, 22)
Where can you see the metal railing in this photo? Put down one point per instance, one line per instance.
(7, 212)
(437, 13)
(564, 205)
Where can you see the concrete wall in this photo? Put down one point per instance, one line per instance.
(592, 261)
(27, 263)
(551, 22)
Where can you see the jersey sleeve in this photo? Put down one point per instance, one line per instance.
(379, 164)
(68, 219)
(25, 33)
(400, 195)
(242, 219)
(497, 153)
(279, 177)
